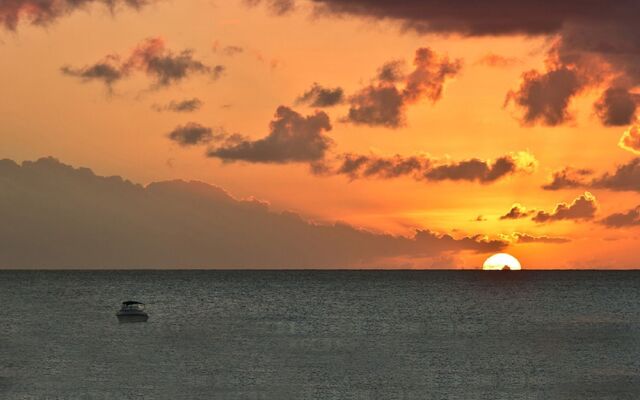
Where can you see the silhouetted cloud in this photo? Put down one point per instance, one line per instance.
(383, 102)
(422, 167)
(43, 12)
(358, 166)
(108, 222)
(187, 105)
(582, 208)
(151, 57)
(292, 138)
(626, 177)
(191, 134)
(526, 238)
(623, 220)
(617, 107)
(630, 139)
(545, 97)
(517, 212)
(319, 96)
(568, 178)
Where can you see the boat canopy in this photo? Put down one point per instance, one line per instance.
(130, 302)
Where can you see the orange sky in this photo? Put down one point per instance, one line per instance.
(45, 113)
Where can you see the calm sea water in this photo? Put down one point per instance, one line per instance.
(321, 335)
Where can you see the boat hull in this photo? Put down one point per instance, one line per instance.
(124, 318)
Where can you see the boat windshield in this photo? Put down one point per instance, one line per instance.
(135, 306)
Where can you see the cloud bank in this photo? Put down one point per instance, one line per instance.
(57, 216)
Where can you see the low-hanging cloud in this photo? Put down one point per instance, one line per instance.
(426, 168)
(113, 223)
(44, 12)
(292, 138)
(151, 57)
(526, 238)
(384, 101)
(583, 207)
(625, 177)
(320, 96)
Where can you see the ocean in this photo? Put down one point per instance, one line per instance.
(321, 335)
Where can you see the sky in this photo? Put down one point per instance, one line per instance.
(414, 134)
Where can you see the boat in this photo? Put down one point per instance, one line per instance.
(132, 311)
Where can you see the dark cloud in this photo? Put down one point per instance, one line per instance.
(151, 57)
(43, 12)
(517, 212)
(623, 220)
(630, 139)
(595, 45)
(358, 166)
(545, 97)
(292, 138)
(187, 105)
(108, 222)
(191, 134)
(626, 177)
(108, 71)
(568, 178)
(617, 107)
(319, 96)
(582, 208)
(526, 238)
(384, 102)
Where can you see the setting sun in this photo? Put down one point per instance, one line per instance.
(501, 261)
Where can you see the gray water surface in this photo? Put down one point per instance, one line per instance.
(321, 335)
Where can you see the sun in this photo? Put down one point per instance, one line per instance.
(500, 262)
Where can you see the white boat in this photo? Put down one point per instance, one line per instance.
(132, 311)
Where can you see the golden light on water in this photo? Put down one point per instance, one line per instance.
(501, 261)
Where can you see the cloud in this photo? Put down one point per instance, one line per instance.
(151, 57)
(526, 238)
(630, 139)
(497, 61)
(517, 212)
(229, 51)
(292, 138)
(593, 46)
(44, 12)
(582, 208)
(318, 96)
(384, 102)
(568, 178)
(278, 7)
(191, 134)
(623, 220)
(422, 167)
(108, 222)
(187, 105)
(626, 177)
(545, 97)
(617, 107)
